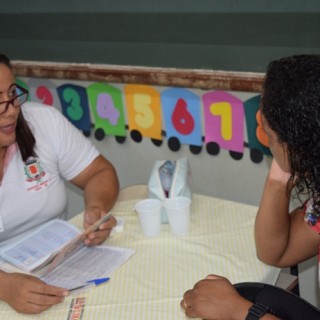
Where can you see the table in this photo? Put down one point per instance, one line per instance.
(151, 283)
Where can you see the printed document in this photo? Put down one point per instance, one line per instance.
(56, 254)
(88, 263)
(41, 246)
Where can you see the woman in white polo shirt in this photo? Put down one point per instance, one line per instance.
(39, 149)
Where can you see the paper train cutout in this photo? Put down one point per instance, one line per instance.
(216, 120)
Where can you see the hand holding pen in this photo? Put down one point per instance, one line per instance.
(88, 285)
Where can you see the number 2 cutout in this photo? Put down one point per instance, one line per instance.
(44, 91)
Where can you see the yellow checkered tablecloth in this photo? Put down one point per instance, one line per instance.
(151, 283)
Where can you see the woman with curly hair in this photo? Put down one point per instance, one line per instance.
(290, 113)
(291, 118)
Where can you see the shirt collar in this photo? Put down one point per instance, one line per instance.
(11, 150)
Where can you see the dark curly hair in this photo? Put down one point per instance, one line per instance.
(24, 137)
(291, 105)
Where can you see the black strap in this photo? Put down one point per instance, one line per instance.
(285, 305)
(257, 311)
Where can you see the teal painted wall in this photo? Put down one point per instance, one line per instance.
(203, 34)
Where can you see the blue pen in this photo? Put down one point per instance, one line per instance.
(98, 281)
(89, 284)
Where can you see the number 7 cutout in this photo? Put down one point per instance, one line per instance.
(224, 120)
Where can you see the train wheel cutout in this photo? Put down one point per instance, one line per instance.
(213, 148)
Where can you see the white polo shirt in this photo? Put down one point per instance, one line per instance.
(32, 193)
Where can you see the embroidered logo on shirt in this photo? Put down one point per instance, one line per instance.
(34, 170)
(36, 177)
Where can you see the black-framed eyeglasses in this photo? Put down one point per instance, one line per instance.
(19, 96)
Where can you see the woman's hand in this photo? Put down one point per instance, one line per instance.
(214, 298)
(91, 215)
(28, 294)
(101, 187)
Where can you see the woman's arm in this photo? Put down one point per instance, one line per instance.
(282, 239)
(101, 187)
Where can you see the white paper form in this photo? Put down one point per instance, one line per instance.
(86, 264)
(38, 246)
(8, 267)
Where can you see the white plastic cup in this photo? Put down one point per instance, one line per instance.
(178, 211)
(149, 212)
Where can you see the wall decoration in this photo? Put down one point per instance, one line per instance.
(224, 122)
(257, 143)
(108, 111)
(75, 106)
(144, 112)
(213, 119)
(45, 91)
(182, 114)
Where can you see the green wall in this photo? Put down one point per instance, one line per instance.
(239, 35)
